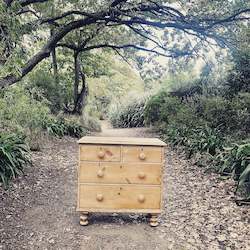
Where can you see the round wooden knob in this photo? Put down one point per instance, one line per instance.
(142, 175)
(142, 156)
(101, 154)
(99, 197)
(100, 173)
(141, 198)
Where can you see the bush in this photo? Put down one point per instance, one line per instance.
(153, 110)
(20, 113)
(61, 126)
(229, 116)
(90, 123)
(202, 126)
(58, 93)
(128, 114)
(14, 156)
(241, 104)
(235, 160)
(165, 109)
(238, 78)
(194, 139)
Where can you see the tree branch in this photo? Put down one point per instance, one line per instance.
(24, 3)
(201, 28)
(45, 51)
(28, 2)
(117, 2)
(133, 46)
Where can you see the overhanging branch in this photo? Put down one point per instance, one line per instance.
(134, 16)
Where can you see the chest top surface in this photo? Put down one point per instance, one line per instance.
(121, 141)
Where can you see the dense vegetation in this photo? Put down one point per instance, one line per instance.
(128, 113)
(66, 64)
(13, 156)
(209, 121)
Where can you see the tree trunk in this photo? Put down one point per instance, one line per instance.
(79, 97)
(77, 77)
(54, 61)
(82, 96)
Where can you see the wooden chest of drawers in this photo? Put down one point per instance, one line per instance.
(120, 174)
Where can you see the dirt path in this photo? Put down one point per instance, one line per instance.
(38, 212)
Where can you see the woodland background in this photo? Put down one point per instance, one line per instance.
(179, 66)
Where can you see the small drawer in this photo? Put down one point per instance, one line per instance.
(142, 154)
(123, 173)
(100, 153)
(119, 197)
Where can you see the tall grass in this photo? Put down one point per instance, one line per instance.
(14, 156)
(128, 113)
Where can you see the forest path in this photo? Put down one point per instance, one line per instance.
(38, 212)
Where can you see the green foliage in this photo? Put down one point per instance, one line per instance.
(61, 126)
(153, 110)
(194, 139)
(165, 109)
(238, 79)
(129, 113)
(226, 116)
(27, 112)
(14, 156)
(229, 116)
(236, 160)
(112, 87)
(90, 123)
(44, 81)
(203, 126)
(21, 113)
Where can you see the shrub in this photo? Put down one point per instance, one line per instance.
(241, 104)
(90, 123)
(218, 113)
(61, 126)
(14, 156)
(202, 126)
(20, 113)
(166, 109)
(238, 77)
(153, 111)
(235, 160)
(194, 139)
(129, 113)
(55, 93)
(229, 116)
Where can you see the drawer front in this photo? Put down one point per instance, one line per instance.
(142, 154)
(128, 173)
(100, 153)
(119, 197)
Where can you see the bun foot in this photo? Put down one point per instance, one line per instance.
(153, 220)
(84, 219)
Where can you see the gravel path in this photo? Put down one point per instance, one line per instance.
(38, 211)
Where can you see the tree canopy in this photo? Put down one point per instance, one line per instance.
(31, 29)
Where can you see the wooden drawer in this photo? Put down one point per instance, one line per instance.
(128, 173)
(142, 154)
(100, 153)
(119, 197)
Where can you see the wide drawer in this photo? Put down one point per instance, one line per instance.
(119, 197)
(100, 153)
(142, 154)
(128, 173)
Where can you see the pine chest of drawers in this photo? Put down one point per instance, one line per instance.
(120, 174)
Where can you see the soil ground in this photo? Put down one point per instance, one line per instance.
(38, 211)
